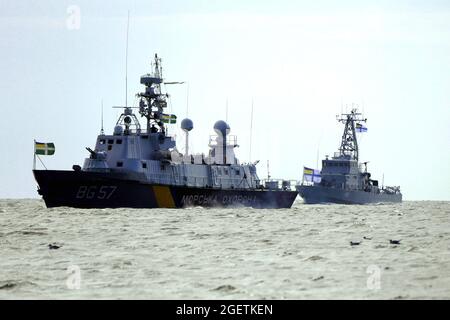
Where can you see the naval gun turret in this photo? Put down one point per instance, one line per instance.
(96, 161)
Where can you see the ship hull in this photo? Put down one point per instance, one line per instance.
(320, 194)
(81, 189)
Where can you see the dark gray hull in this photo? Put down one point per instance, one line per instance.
(320, 194)
(81, 189)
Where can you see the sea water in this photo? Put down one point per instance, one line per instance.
(242, 253)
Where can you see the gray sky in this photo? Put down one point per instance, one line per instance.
(298, 61)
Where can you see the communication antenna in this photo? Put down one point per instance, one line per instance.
(317, 158)
(226, 110)
(268, 172)
(318, 148)
(126, 62)
(187, 100)
(102, 132)
(251, 129)
(363, 107)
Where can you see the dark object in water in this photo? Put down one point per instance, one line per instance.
(394, 241)
(367, 238)
(355, 243)
(53, 246)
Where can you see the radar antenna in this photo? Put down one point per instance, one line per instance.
(153, 101)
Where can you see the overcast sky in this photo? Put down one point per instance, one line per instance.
(301, 62)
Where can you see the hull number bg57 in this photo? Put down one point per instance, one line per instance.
(95, 192)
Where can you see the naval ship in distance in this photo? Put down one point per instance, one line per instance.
(342, 178)
(142, 168)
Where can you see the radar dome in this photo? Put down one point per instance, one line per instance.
(222, 127)
(118, 130)
(187, 124)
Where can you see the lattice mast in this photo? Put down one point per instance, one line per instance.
(349, 142)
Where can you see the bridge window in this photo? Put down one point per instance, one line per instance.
(119, 141)
(110, 141)
(110, 147)
(144, 165)
(102, 141)
(119, 164)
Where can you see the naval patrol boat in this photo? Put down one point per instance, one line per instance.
(142, 167)
(342, 178)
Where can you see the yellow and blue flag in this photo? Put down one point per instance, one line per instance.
(311, 175)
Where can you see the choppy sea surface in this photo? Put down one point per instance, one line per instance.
(196, 253)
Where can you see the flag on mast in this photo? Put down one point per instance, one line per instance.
(44, 148)
(360, 128)
(311, 175)
(169, 118)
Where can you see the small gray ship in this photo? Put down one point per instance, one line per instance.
(343, 179)
(142, 167)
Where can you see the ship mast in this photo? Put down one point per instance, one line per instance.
(349, 143)
(153, 101)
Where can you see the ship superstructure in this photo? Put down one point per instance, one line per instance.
(343, 179)
(142, 167)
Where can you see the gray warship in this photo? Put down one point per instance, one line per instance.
(142, 167)
(343, 179)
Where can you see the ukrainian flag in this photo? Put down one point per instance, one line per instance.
(311, 175)
(42, 148)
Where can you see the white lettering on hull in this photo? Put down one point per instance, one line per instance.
(203, 199)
